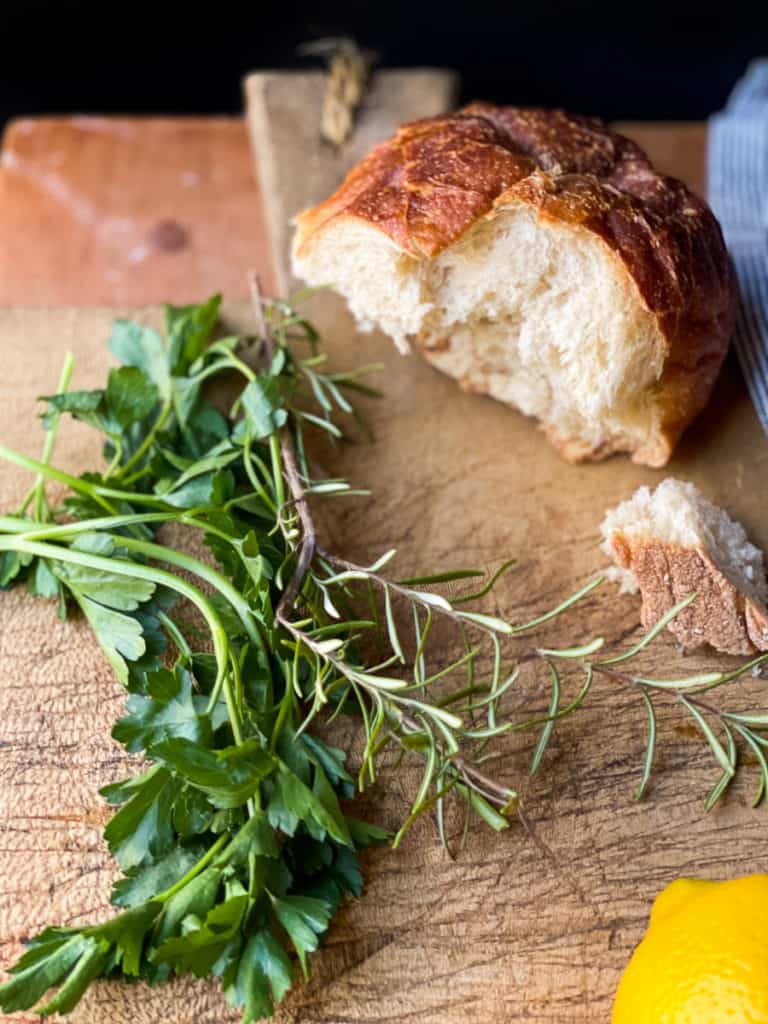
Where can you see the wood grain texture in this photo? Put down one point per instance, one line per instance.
(513, 929)
(127, 210)
(520, 929)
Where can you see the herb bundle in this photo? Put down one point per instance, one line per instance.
(234, 846)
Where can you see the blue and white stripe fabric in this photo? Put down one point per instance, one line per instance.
(738, 193)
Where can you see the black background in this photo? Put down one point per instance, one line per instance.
(622, 60)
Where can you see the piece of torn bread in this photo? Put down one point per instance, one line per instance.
(672, 542)
(538, 258)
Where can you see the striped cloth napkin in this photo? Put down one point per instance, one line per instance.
(738, 193)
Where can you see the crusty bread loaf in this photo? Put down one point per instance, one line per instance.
(538, 258)
(673, 542)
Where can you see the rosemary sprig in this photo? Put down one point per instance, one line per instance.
(235, 847)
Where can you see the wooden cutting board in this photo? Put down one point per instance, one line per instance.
(514, 928)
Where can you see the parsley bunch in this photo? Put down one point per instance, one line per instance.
(234, 845)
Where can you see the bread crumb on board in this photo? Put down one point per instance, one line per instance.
(672, 542)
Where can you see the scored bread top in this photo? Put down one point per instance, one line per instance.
(436, 178)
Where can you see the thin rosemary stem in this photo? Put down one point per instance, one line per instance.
(309, 535)
(638, 684)
(407, 592)
(613, 673)
(703, 705)
(469, 772)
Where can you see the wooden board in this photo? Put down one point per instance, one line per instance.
(284, 112)
(518, 930)
(507, 931)
(98, 210)
(513, 929)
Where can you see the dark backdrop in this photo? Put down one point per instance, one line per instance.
(629, 59)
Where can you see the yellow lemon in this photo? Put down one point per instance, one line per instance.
(704, 958)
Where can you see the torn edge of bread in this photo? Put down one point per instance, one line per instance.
(539, 258)
(672, 542)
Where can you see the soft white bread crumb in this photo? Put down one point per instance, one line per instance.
(537, 313)
(678, 513)
(673, 541)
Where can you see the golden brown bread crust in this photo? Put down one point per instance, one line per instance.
(721, 615)
(437, 177)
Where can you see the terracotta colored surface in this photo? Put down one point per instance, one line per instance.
(127, 210)
(118, 210)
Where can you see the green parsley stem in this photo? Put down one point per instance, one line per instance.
(176, 635)
(38, 489)
(227, 362)
(235, 699)
(285, 705)
(195, 870)
(277, 470)
(98, 493)
(232, 709)
(238, 364)
(50, 473)
(120, 567)
(14, 524)
(162, 553)
(255, 482)
(158, 552)
(148, 441)
(163, 578)
(115, 461)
